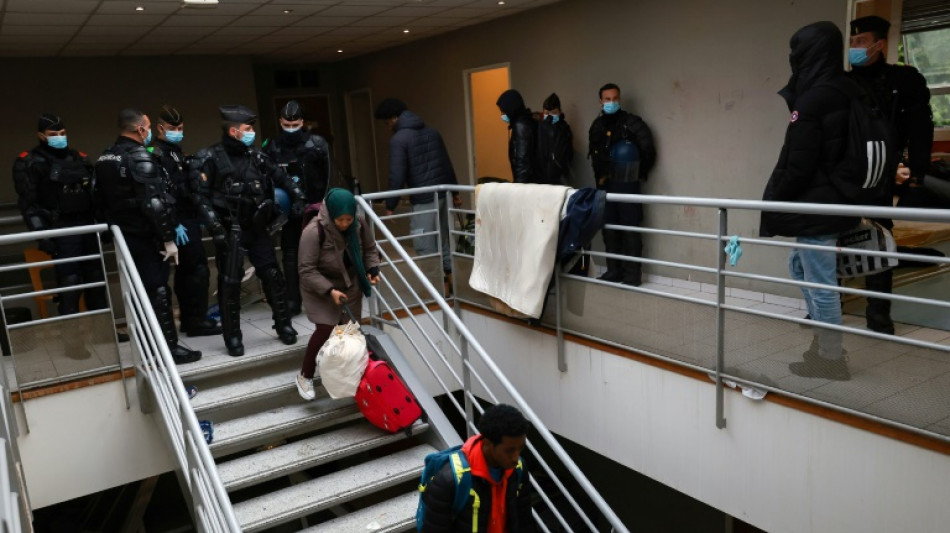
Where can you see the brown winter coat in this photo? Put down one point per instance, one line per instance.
(322, 268)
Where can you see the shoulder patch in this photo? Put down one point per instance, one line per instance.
(83, 154)
(23, 154)
(794, 116)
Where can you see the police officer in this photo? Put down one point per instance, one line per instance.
(305, 157)
(134, 191)
(612, 126)
(901, 91)
(236, 183)
(192, 273)
(54, 190)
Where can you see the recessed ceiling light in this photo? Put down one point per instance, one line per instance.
(288, 11)
(405, 30)
(340, 51)
(140, 8)
(501, 2)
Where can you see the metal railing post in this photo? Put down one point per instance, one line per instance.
(720, 318)
(467, 387)
(561, 356)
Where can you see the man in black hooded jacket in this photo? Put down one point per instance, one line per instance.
(522, 137)
(813, 152)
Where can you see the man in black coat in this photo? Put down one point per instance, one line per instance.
(555, 143)
(814, 151)
(901, 91)
(612, 127)
(522, 137)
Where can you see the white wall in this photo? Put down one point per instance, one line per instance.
(85, 440)
(88, 94)
(703, 75)
(777, 468)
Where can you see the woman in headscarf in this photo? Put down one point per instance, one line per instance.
(339, 262)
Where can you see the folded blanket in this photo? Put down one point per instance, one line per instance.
(516, 228)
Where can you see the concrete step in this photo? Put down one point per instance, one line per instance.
(244, 386)
(307, 453)
(331, 490)
(293, 418)
(218, 364)
(390, 516)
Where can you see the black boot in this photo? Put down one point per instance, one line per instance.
(229, 301)
(162, 305)
(878, 312)
(632, 246)
(292, 281)
(274, 289)
(612, 243)
(192, 291)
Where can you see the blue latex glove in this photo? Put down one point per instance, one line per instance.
(734, 250)
(181, 235)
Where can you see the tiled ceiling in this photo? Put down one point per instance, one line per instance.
(277, 30)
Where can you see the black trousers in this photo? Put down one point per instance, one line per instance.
(152, 267)
(623, 242)
(192, 274)
(75, 273)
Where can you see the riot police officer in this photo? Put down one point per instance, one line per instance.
(134, 192)
(305, 157)
(54, 190)
(235, 184)
(615, 125)
(192, 273)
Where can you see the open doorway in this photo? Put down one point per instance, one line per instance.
(362, 139)
(487, 134)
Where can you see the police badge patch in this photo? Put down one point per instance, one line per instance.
(794, 116)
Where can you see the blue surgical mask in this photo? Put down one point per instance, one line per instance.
(506, 119)
(148, 138)
(58, 142)
(174, 137)
(291, 130)
(858, 56)
(248, 138)
(611, 107)
(554, 118)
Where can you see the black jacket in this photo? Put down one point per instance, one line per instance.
(417, 158)
(522, 147)
(304, 156)
(607, 130)
(555, 151)
(175, 164)
(54, 188)
(816, 136)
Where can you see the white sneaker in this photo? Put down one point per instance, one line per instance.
(305, 388)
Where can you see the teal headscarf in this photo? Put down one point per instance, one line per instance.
(341, 202)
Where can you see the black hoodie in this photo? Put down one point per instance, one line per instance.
(816, 135)
(522, 139)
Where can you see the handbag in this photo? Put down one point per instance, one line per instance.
(342, 360)
(870, 237)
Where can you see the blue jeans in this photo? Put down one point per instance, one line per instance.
(824, 305)
(426, 223)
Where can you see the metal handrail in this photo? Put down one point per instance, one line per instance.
(154, 361)
(472, 343)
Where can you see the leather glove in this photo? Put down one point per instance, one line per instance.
(47, 245)
(171, 252)
(181, 235)
(296, 210)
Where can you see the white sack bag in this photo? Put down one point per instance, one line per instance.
(342, 361)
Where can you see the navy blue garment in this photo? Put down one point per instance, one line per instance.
(417, 158)
(585, 217)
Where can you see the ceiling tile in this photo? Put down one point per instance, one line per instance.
(320, 20)
(198, 20)
(41, 19)
(218, 39)
(255, 20)
(190, 31)
(110, 31)
(297, 10)
(353, 31)
(225, 8)
(383, 21)
(8, 29)
(51, 40)
(122, 7)
(351, 11)
(437, 22)
(247, 31)
(51, 6)
(479, 12)
(133, 19)
(413, 11)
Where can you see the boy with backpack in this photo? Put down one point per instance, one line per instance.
(481, 486)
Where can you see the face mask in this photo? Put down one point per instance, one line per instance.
(291, 130)
(58, 142)
(611, 107)
(858, 56)
(174, 137)
(506, 119)
(554, 118)
(148, 138)
(248, 138)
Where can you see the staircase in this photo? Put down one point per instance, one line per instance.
(292, 465)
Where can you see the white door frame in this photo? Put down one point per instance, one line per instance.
(351, 135)
(469, 124)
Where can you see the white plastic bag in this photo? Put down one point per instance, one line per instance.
(342, 361)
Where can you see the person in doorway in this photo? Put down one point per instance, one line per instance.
(235, 185)
(134, 191)
(814, 148)
(555, 143)
(612, 127)
(192, 275)
(902, 93)
(503, 496)
(339, 263)
(54, 190)
(418, 158)
(522, 137)
(305, 156)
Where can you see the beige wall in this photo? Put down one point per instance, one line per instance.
(703, 75)
(88, 94)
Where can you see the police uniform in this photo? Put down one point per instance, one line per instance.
(615, 177)
(236, 185)
(191, 274)
(305, 157)
(901, 91)
(134, 193)
(54, 190)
